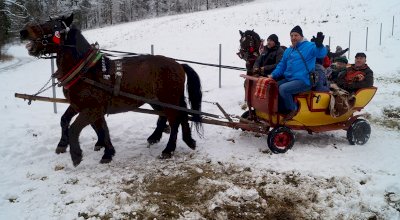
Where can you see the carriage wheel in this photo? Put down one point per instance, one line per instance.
(280, 139)
(359, 132)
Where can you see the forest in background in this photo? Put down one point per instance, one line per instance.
(14, 14)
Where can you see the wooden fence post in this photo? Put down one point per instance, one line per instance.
(380, 36)
(53, 81)
(220, 61)
(393, 25)
(348, 56)
(366, 41)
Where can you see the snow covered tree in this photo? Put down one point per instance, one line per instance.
(5, 25)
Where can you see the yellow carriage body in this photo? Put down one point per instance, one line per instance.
(313, 114)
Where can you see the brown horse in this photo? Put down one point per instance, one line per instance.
(92, 83)
(249, 48)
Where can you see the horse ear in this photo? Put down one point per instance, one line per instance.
(241, 33)
(68, 21)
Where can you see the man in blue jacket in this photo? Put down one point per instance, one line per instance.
(292, 68)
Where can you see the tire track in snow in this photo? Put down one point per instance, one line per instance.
(20, 61)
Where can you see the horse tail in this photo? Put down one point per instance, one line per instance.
(195, 94)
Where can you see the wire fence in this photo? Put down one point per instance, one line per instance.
(220, 66)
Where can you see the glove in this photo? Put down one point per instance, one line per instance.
(359, 77)
(319, 39)
(347, 49)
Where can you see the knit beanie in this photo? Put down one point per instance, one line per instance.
(341, 59)
(298, 30)
(360, 54)
(274, 38)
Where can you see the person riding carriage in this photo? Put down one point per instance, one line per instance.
(295, 67)
(270, 57)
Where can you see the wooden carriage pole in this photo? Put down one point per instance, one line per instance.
(53, 81)
(220, 55)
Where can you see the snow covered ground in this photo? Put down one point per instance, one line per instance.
(231, 175)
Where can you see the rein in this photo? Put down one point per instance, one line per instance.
(146, 100)
(180, 60)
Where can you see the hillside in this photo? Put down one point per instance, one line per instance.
(232, 174)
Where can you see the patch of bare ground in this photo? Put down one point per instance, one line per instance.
(218, 191)
(390, 119)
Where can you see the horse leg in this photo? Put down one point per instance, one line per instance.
(100, 137)
(187, 134)
(155, 137)
(100, 125)
(171, 145)
(65, 120)
(186, 131)
(84, 118)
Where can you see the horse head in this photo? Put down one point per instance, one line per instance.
(46, 37)
(249, 45)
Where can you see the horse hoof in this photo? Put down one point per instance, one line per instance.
(164, 156)
(76, 162)
(105, 160)
(60, 150)
(97, 147)
(191, 144)
(152, 141)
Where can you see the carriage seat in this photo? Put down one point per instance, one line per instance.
(319, 101)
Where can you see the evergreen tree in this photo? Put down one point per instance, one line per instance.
(5, 24)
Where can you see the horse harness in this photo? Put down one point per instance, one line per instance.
(112, 67)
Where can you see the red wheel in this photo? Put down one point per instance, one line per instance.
(280, 139)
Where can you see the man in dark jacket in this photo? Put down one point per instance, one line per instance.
(358, 76)
(339, 66)
(270, 57)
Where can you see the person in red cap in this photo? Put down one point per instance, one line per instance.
(357, 76)
(270, 57)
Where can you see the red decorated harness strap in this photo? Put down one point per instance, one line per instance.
(91, 57)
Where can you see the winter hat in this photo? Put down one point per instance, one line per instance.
(361, 55)
(298, 30)
(339, 48)
(274, 38)
(342, 59)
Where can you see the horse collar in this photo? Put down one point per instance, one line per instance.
(88, 61)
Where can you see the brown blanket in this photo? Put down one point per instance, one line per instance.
(341, 101)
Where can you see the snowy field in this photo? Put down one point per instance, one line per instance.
(232, 174)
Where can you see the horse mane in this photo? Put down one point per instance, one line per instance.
(253, 34)
(76, 39)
